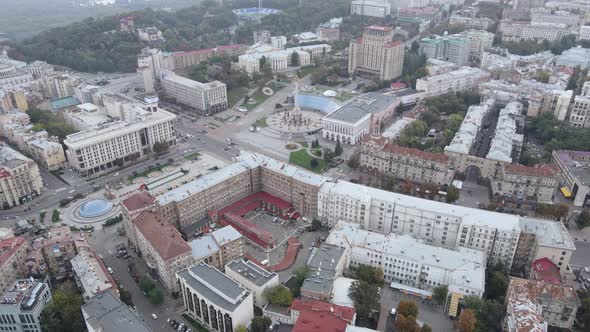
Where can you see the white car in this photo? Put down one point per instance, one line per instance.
(154, 316)
(110, 270)
(116, 174)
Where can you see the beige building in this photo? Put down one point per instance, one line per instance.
(133, 206)
(13, 252)
(161, 247)
(53, 252)
(92, 275)
(462, 79)
(252, 173)
(20, 180)
(219, 247)
(102, 149)
(381, 158)
(252, 277)
(376, 54)
(516, 31)
(208, 98)
(557, 304)
(13, 99)
(580, 112)
(538, 184)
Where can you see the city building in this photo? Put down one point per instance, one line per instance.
(508, 138)
(580, 112)
(131, 207)
(517, 31)
(574, 174)
(279, 59)
(584, 33)
(22, 304)
(191, 58)
(536, 184)
(543, 269)
(91, 275)
(58, 85)
(451, 48)
(251, 174)
(278, 41)
(214, 299)
(208, 98)
(252, 277)
(85, 93)
(39, 69)
(13, 99)
(85, 116)
(261, 36)
(325, 264)
(524, 315)
(551, 240)
(106, 313)
(149, 34)
(372, 8)
(127, 23)
(479, 23)
(20, 179)
(574, 57)
(479, 41)
(330, 31)
(376, 54)
(585, 89)
(463, 79)
(102, 149)
(161, 247)
(307, 315)
(13, 252)
(361, 116)
(544, 16)
(379, 157)
(557, 304)
(410, 263)
(305, 37)
(13, 77)
(218, 248)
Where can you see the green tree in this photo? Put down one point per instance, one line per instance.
(496, 282)
(583, 314)
(42, 215)
(63, 314)
(440, 294)
(467, 321)
(313, 163)
(155, 296)
(241, 328)
(279, 295)
(426, 328)
(160, 147)
(300, 274)
(452, 194)
(125, 297)
(295, 58)
(55, 216)
(366, 299)
(369, 274)
(260, 324)
(406, 324)
(489, 313)
(390, 183)
(146, 284)
(338, 148)
(407, 308)
(583, 219)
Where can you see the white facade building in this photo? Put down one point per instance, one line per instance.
(372, 8)
(252, 277)
(22, 304)
(20, 179)
(516, 31)
(463, 79)
(209, 98)
(409, 261)
(580, 112)
(149, 34)
(214, 299)
(13, 77)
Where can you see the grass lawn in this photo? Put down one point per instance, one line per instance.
(147, 171)
(261, 123)
(196, 325)
(303, 144)
(301, 158)
(261, 97)
(235, 94)
(306, 70)
(345, 96)
(191, 156)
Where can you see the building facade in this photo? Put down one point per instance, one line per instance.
(214, 299)
(218, 248)
(252, 277)
(379, 157)
(376, 54)
(20, 179)
(12, 261)
(22, 304)
(537, 184)
(580, 112)
(463, 79)
(574, 175)
(208, 98)
(106, 313)
(372, 8)
(453, 48)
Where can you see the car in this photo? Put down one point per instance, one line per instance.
(126, 256)
(154, 316)
(393, 312)
(587, 269)
(180, 327)
(184, 328)
(116, 174)
(110, 270)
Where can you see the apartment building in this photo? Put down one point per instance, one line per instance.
(251, 173)
(551, 240)
(20, 180)
(524, 314)
(576, 56)
(479, 41)
(21, 305)
(379, 157)
(279, 59)
(506, 144)
(580, 112)
(106, 313)
(208, 98)
(537, 184)
(191, 58)
(517, 31)
(91, 274)
(479, 23)
(214, 299)
(39, 69)
(462, 79)
(101, 149)
(13, 252)
(584, 33)
(544, 16)
(149, 34)
(371, 8)
(574, 174)
(330, 31)
(252, 277)
(556, 304)
(408, 262)
(359, 117)
(219, 247)
(376, 54)
(161, 247)
(261, 36)
(13, 77)
(13, 99)
(451, 48)
(326, 263)
(131, 207)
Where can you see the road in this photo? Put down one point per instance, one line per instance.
(581, 257)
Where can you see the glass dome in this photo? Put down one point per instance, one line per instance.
(95, 208)
(322, 104)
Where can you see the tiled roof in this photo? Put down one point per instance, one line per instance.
(539, 290)
(344, 313)
(543, 269)
(161, 235)
(311, 321)
(425, 155)
(10, 246)
(547, 170)
(138, 201)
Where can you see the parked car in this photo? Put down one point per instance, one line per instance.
(154, 316)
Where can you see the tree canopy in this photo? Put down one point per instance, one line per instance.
(63, 314)
(279, 295)
(366, 300)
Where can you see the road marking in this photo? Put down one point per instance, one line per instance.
(60, 189)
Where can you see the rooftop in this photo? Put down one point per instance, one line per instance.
(322, 264)
(576, 162)
(23, 292)
(465, 137)
(549, 233)
(91, 273)
(543, 269)
(546, 170)
(138, 201)
(11, 158)
(162, 235)
(107, 313)
(345, 313)
(209, 244)
(525, 315)
(226, 235)
(541, 292)
(9, 247)
(424, 155)
(171, 76)
(251, 271)
(361, 107)
(340, 291)
(215, 286)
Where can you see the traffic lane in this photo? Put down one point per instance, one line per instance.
(581, 257)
